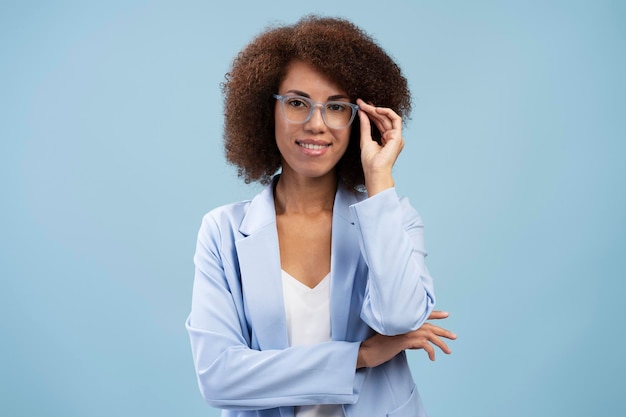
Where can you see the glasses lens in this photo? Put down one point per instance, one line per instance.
(297, 109)
(338, 114)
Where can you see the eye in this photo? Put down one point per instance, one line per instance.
(336, 107)
(298, 102)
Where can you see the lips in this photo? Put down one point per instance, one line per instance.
(313, 145)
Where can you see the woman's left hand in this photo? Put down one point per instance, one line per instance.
(378, 160)
(379, 349)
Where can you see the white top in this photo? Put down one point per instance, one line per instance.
(308, 322)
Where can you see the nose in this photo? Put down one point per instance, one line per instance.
(316, 121)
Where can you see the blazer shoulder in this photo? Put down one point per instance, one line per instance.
(228, 212)
(222, 223)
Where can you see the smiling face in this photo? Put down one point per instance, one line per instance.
(309, 149)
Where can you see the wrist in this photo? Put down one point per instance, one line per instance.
(360, 359)
(378, 183)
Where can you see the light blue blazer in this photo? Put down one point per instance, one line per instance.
(237, 324)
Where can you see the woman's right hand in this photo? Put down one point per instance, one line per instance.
(378, 159)
(378, 349)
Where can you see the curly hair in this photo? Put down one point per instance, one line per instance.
(337, 49)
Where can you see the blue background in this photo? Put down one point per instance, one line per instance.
(110, 153)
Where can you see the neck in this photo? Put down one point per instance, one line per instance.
(305, 195)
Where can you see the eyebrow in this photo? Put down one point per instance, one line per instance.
(330, 98)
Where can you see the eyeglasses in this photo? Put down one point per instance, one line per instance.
(298, 109)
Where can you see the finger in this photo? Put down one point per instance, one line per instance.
(441, 332)
(377, 122)
(393, 136)
(438, 314)
(428, 330)
(366, 128)
(440, 344)
(381, 120)
(385, 117)
(392, 116)
(430, 350)
(366, 107)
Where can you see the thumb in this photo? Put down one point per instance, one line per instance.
(366, 129)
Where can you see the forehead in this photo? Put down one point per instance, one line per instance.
(303, 77)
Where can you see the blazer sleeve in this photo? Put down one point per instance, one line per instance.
(399, 295)
(231, 374)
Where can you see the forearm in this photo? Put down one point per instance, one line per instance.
(400, 293)
(377, 182)
(233, 376)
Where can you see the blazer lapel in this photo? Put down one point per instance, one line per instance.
(344, 261)
(259, 262)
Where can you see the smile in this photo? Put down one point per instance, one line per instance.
(312, 146)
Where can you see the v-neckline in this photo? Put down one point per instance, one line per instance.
(299, 283)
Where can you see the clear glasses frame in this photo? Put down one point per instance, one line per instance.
(313, 105)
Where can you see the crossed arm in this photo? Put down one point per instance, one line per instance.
(378, 349)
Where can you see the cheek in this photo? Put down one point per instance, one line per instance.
(345, 137)
(347, 143)
(281, 126)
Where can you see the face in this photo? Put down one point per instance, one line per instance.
(309, 149)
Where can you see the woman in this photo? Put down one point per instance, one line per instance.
(306, 297)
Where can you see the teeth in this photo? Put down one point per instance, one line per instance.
(312, 146)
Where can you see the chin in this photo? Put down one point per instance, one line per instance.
(312, 173)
